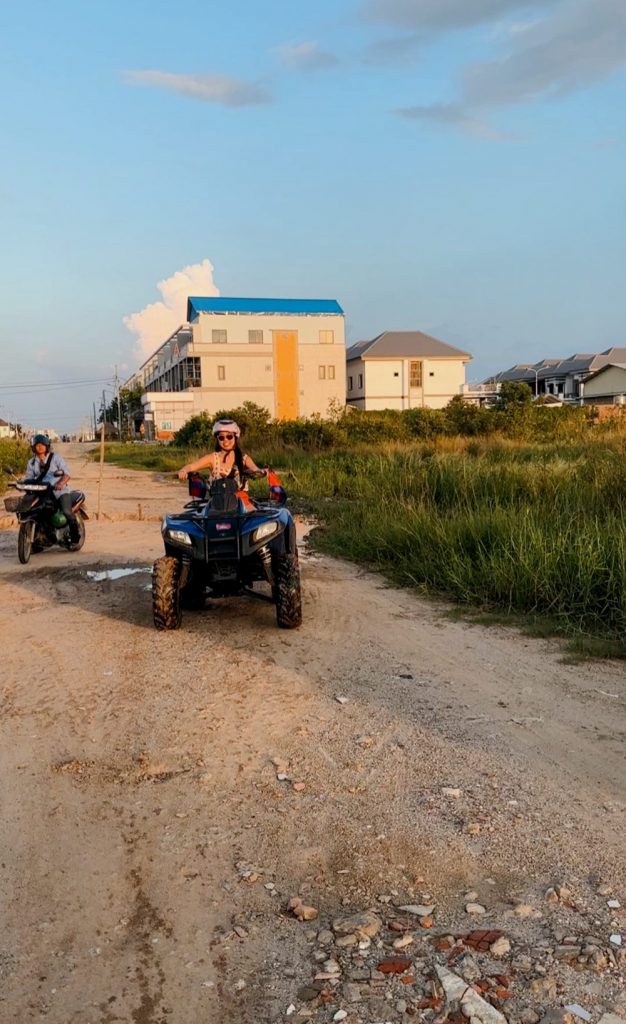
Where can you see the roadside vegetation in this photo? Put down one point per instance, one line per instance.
(15, 454)
(517, 511)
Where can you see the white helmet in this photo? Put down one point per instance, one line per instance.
(228, 426)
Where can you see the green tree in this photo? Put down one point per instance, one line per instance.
(514, 394)
(129, 406)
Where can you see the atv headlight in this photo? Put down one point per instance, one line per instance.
(263, 531)
(178, 536)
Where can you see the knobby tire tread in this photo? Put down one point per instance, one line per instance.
(166, 593)
(288, 592)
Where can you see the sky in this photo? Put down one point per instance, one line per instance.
(451, 166)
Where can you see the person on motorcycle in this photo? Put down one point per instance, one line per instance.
(227, 460)
(46, 467)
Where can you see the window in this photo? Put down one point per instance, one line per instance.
(349, 383)
(415, 375)
(331, 372)
(327, 337)
(218, 337)
(221, 373)
(321, 371)
(255, 337)
(360, 380)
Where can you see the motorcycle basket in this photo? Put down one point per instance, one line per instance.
(12, 503)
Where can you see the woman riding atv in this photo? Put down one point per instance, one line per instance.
(228, 460)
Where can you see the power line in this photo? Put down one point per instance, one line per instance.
(25, 393)
(57, 383)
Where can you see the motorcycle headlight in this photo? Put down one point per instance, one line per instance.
(178, 537)
(263, 531)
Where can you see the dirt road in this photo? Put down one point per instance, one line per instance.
(149, 849)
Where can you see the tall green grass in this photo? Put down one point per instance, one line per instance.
(538, 534)
(537, 530)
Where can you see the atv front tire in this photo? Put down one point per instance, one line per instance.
(166, 593)
(287, 592)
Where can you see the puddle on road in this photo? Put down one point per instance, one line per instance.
(114, 574)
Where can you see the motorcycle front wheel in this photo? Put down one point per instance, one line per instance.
(25, 541)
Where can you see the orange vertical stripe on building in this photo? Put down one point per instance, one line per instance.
(285, 345)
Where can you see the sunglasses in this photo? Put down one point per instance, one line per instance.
(225, 437)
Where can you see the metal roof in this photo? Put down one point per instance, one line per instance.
(294, 307)
(402, 344)
(582, 363)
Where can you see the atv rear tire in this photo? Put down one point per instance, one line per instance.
(166, 593)
(25, 541)
(287, 593)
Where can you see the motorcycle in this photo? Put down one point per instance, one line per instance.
(42, 524)
(221, 545)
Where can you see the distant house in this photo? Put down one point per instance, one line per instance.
(606, 386)
(6, 430)
(563, 378)
(404, 370)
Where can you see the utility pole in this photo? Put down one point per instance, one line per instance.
(119, 411)
(102, 426)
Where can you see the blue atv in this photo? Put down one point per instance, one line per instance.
(222, 544)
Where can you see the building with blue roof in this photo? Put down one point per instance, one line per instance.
(286, 355)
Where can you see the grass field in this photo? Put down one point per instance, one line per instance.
(537, 531)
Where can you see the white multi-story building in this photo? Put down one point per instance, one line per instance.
(286, 355)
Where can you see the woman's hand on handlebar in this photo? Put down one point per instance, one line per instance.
(182, 473)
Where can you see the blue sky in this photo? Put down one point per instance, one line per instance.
(452, 166)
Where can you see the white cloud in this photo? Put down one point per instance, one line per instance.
(578, 44)
(154, 324)
(441, 15)
(307, 57)
(222, 89)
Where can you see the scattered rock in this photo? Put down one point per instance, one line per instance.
(302, 912)
(578, 1011)
(418, 909)
(452, 792)
(472, 1005)
(307, 994)
(394, 965)
(544, 987)
(366, 924)
(557, 1016)
(475, 908)
(500, 947)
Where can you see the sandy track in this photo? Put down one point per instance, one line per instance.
(138, 784)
